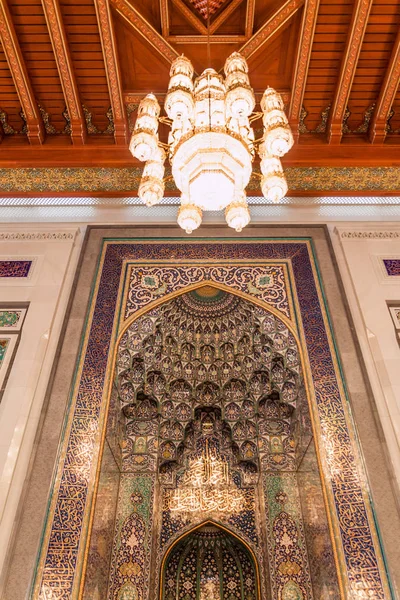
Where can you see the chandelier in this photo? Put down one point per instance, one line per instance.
(206, 488)
(211, 144)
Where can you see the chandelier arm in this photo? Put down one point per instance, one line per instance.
(255, 116)
(165, 120)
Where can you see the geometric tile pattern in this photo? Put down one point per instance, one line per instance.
(392, 266)
(362, 570)
(15, 268)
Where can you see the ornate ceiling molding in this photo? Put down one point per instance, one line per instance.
(349, 64)
(271, 27)
(232, 6)
(125, 180)
(377, 131)
(250, 10)
(368, 234)
(108, 44)
(138, 22)
(300, 72)
(63, 60)
(190, 16)
(20, 76)
(38, 236)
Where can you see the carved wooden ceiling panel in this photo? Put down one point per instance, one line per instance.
(73, 71)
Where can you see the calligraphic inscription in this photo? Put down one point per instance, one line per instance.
(266, 283)
(15, 268)
(63, 547)
(392, 266)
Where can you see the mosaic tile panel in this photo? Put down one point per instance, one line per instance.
(130, 563)
(15, 268)
(362, 569)
(266, 283)
(392, 266)
(4, 343)
(287, 554)
(12, 318)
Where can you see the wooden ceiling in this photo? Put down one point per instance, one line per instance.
(73, 71)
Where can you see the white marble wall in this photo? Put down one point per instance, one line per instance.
(359, 251)
(55, 251)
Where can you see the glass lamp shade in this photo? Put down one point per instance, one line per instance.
(271, 100)
(189, 217)
(278, 140)
(148, 113)
(209, 167)
(269, 164)
(274, 187)
(179, 104)
(240, 101)
(183, 68)
(151, 190)
(237, 214)
(143, 144)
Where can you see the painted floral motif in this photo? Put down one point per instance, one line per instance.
(266, 283)
(287, 554)
(132, 541)
(96, 179)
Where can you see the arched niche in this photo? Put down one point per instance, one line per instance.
(209, 562)
(261, 378)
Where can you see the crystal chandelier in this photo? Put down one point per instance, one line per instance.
(206, 489)
(211, 143)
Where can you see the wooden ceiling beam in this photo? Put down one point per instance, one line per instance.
(113, 73)
(354, 42)
(300, 72)
(378, 126)
(202, 39)
(52, 12)
(216, 24)
(271, 27)
(164, 14)
(139, 23)
(190, 16)
(20, 76)
(312, 153)
(249, 24)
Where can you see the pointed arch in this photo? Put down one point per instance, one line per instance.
(227, 530)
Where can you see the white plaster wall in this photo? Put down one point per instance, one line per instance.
(359, 251)
(56, 251)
